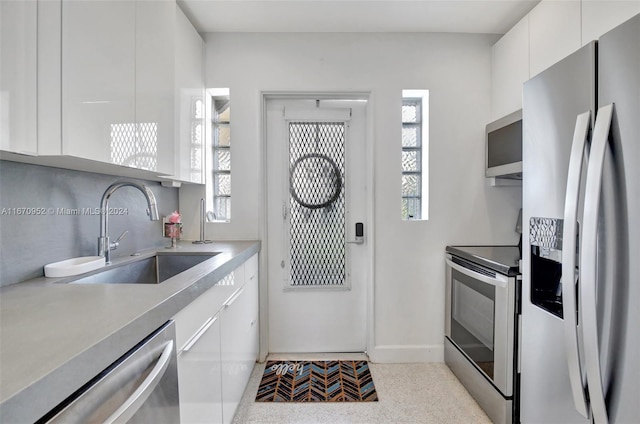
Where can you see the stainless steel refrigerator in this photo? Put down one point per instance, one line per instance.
(580, 329)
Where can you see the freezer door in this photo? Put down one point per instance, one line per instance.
(552, 102)
(618, 228)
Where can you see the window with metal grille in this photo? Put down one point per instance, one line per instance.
(317, 204)
(221, 164)
(414, 143)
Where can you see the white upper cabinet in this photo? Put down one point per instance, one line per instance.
(155, 79)
(117, 82)
(189, 98)
(550, 32)
(554, 31)
(600, 16)
(509, 70)
(49, 78)
(18, 77)
(99, 80)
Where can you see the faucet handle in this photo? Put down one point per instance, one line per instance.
(123, 235)
(116, 243)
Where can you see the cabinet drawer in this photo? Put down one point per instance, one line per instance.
(190, 319)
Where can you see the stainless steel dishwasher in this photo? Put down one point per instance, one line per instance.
(140, 387)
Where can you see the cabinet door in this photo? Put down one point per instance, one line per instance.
(98, 80)
(233, 336)
(252, 285)
(509, 70)
(154, 86)
(50, 77)
(189, 68)
(18, 76)
(199, 376)
(601, 16)
(554, 30)
(236, 317)
(118, 82)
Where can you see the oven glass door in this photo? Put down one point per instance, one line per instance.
(473, 319)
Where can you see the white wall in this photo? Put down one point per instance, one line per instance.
(464, 209)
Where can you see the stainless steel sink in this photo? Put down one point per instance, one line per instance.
(150, 270)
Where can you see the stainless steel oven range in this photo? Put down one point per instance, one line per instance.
(481, 325)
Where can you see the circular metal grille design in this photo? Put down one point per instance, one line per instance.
(315, 181)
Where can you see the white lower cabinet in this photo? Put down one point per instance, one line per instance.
(217, 338)
(239, 342)
(200, 381)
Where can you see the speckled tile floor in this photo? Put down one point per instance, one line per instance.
(408, 393)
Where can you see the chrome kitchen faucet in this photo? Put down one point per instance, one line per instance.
(104, 245)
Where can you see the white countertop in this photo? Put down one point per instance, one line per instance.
(54, 337)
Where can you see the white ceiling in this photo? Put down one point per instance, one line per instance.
(468, 16)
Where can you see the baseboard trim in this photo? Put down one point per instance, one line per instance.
(407, 354)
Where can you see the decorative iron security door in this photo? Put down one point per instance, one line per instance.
(316, 203)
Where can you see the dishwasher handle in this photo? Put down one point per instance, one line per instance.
(142, 393)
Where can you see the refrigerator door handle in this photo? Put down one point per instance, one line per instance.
(588, 262)
(569, 236)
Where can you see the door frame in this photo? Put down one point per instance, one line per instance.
(264, 96)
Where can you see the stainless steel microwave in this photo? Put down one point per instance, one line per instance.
(504, 147)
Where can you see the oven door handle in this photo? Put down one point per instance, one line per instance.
(569, 237)
(498, 281)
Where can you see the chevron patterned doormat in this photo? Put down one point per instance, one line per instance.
(316, 381)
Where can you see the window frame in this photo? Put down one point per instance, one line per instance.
(417, 102)
(215, 123)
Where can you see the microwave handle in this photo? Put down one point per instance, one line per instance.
(569, 236)
(498, 281)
